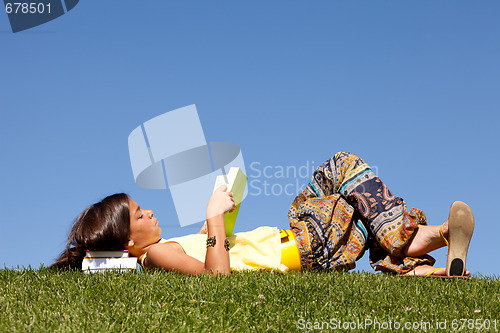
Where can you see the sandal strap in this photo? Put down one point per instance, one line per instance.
(441, 233)
(432, 272)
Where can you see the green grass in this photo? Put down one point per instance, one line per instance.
(40, 300)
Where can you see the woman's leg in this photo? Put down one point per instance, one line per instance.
(327, 235)
(390, 225)
(331, 236)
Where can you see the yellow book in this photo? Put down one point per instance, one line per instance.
(236, 181)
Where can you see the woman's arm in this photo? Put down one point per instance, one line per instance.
(172, 257)
(217, 257)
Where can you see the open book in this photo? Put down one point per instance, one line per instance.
(236, 181)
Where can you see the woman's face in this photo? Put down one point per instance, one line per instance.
(144, 229)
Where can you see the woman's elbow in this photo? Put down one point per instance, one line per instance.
(218, 271)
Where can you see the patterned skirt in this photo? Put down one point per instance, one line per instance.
(346, 209)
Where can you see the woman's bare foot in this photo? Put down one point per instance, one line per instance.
(426, 238)
(424, 269)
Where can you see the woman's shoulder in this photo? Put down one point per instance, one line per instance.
(171, 257)
(162, 247)
(158, 250)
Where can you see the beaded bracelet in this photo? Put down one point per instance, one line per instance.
(211, 241)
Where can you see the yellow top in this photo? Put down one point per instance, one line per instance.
(251, 250)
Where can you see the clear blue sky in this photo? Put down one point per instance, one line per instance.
(413, 87)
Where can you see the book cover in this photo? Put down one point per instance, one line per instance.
(106, 254)
(236, 181)
(104, 264)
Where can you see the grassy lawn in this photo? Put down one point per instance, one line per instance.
(40, 300)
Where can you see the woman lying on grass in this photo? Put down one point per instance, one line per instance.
(344, 209)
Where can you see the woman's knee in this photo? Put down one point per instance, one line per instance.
(346, 157)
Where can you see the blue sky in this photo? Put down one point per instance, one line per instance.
(411, 87)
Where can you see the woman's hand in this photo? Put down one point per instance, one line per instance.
(204, 228)
(220, 202)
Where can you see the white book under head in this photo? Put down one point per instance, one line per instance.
(107, 264)
(107, 254)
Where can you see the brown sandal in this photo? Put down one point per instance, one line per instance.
(461, 227)
(430, 274)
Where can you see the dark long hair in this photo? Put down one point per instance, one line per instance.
(103, 226)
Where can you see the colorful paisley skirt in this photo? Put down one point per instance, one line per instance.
(346, 209)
